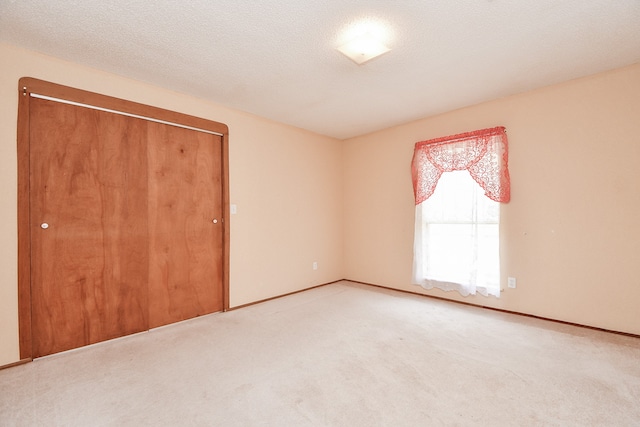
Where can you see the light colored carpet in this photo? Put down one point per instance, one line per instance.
(339, 355)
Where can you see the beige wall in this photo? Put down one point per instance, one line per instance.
(571, 233)
(286, 183)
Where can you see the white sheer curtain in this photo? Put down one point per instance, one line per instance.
(458, 183)
(456, 242)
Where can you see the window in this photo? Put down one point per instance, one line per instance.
(459, 182)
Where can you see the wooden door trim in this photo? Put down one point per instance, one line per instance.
(28, 85)
(24, 230)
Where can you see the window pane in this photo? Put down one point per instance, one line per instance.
(449, 252)
(460, 234)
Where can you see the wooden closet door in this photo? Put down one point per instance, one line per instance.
(88, 195)
(185, 198)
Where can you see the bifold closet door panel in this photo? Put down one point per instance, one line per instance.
(185, 223)
(88, 195)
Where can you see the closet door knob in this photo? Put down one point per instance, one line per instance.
(44, 225)
(215, 221)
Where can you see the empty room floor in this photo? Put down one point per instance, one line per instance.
(339, 355)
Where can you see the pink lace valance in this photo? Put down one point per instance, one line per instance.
(484, 153)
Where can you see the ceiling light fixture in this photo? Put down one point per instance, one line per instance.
(363, 48)
(365, 40)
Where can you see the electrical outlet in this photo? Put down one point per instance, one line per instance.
(315, 265)
(511, 282)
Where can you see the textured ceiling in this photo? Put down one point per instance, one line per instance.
(277, 58)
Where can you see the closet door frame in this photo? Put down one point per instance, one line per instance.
(28, 86)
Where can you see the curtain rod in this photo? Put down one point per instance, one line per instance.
(466, 135)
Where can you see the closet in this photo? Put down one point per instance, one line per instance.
(122, 213)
